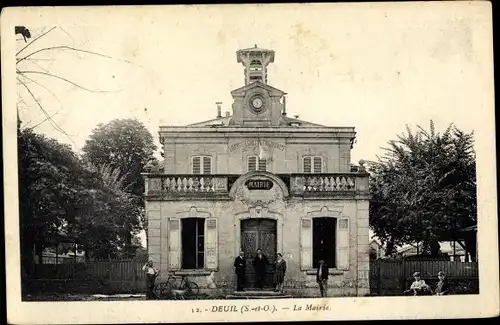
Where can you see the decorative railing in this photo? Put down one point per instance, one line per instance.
(185, 185)
(328, 184)
(195, 186)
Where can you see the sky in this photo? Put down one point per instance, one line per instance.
(378, 72)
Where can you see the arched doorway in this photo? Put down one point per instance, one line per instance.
(259, 233)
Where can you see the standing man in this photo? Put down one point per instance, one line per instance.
(239, 265)
(151, 274)
(322, 278)
(259, 264)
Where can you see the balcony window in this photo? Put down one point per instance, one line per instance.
(312, 164)
(254, 164)
(201, 165)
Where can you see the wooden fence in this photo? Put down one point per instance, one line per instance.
(392, 277)
(117, 276)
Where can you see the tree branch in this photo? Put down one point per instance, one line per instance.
(65, 47)
(34, 40)
(66, 80)
(53, 123)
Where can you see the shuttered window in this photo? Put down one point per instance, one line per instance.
(211, 244)
(342, 243)
(312, 164)
(254, 164)
(193, 244)
(306, 253)
(324, 238)
(174, 244)
(201, 165)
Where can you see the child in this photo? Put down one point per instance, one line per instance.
(442, 287)
(419, 287)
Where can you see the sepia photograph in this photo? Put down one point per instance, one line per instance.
(263, 162)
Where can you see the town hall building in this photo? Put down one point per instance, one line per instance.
(258, 178)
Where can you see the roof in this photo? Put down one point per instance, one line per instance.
(255, 48)
(287, 121)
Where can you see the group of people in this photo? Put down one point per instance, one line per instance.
(420, 288)
(260, 263)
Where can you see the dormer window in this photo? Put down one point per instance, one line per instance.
(312, 164)
(201, 165)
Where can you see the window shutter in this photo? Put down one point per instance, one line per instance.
(196, 165)
(318, 164)
(342, 243)
(306, 234)
(252, 163)
(262, 165)
(174, 244)
(307, 164)
(211, 244)
(207, 165)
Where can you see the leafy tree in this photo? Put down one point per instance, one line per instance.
(424, 189)
(50, 185)
(63, 199)
(125, 145)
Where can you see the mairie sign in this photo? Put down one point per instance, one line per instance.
(259, 184)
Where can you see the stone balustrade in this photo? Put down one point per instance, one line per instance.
(185, 185)
(196, 186)
(328, 184)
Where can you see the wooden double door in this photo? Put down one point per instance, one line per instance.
(255, 234)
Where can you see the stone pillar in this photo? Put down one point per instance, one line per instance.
(363, 275)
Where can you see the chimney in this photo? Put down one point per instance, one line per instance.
(284, 105)
(227, 114)
(219, 109)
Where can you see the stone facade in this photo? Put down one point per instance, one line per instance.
(206, 174)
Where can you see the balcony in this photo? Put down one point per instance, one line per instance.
(217, 187)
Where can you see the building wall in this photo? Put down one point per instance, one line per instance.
(230, 154)
(353, 281)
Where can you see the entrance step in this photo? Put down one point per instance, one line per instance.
(257, 293)
(261, 294)
(282, 296)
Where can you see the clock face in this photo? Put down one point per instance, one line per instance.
(257, 104)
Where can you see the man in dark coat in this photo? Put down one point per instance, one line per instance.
(259, 264)
(322, 278)
(239, 265)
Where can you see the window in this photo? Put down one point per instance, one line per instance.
(324, 238)
(193, 243)
(254, 164)
(202, 165)
(324, 241)
(312, 164)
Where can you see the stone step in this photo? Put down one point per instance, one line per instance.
(257, 293)
(282, 296)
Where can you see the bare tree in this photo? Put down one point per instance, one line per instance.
(28, 67)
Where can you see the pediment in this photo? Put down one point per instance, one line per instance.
(273, 92)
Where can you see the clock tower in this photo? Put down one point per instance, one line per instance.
(256, 103)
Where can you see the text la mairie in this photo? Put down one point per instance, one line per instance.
(202, 213)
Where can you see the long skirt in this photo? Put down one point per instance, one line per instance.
(279, 277)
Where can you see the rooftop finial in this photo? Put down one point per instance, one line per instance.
(255, 46)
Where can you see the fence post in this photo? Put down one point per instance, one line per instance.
(403, 276)
(379, 278)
